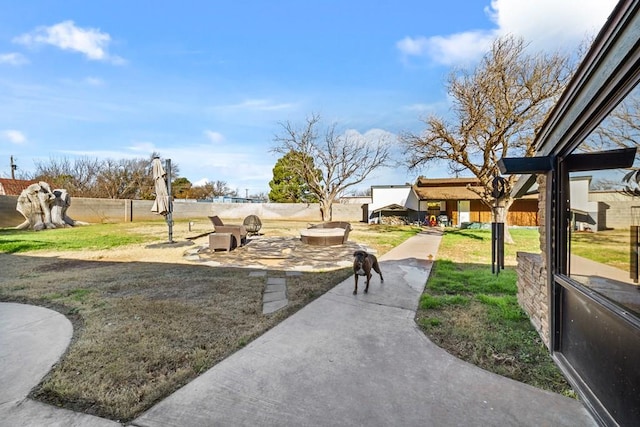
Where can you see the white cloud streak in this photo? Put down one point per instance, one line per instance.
(90, 42)
(260, 105)
(544, 24)
(13, 58)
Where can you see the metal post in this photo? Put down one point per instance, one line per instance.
(493, 247)
(634, 269)
(169, 217)
(13, 169)
(497, 247)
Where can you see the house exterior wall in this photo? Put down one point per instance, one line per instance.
(479, 212)
(586, 211)
(579, 188)
(523, 212)
(613, 209)
(387, 195)
(452, 211)
(412, 201)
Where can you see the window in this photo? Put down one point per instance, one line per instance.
(605, 211)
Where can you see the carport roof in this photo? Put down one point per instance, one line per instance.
(446, 193)
(394, 207)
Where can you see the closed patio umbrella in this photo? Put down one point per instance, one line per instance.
(161, 203)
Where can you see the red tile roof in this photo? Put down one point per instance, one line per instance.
(13, 187)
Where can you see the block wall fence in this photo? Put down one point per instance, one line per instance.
(124, 210)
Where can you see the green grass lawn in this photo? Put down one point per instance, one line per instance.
(609, 247)
(98, 236)
(474, 314)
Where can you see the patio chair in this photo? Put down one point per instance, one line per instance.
(238, 232)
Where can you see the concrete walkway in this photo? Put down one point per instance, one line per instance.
(343, 360)
(32, 340)
(347, 360)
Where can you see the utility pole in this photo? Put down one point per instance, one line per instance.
(13, 169)
(246, 193)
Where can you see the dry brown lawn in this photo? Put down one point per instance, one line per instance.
(146, 320)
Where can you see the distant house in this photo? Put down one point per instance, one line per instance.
(584, 212)
(451, 199)
(392, 200)
(13, 187)
(455, 198)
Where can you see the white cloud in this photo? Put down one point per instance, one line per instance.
(549, 23)
(200, 182)
(371, 136)
(143, 147)
(260, 105)
(545, 24)
(14, 136)
(215, 137)
(94, 81)
(13, 58)
(65, 35)
(413, 46)
(459, 48)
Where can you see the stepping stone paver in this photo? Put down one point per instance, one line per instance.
(272, 307)
(275, 288)
(274, 296)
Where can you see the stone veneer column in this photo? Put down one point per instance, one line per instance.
(533, 294)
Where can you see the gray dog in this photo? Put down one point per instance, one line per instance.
(363, 262)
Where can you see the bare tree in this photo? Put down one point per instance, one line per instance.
(621, 129)
(339, 161)
(497, 110)
(211, 189)
(126, 179)
(109, 178)
(77, 177)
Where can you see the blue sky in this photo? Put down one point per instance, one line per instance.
(206, 83)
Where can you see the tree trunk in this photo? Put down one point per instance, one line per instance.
(325, 210)
(500, 214)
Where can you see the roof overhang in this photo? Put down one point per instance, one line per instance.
(392, 208)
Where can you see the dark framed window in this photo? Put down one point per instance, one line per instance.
(603, 213)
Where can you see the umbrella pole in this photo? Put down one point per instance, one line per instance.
(169, 217)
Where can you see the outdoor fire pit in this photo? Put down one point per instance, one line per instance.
(326, 234)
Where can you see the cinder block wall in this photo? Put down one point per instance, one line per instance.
(9, 216)
(118, 210)
(614, 209)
